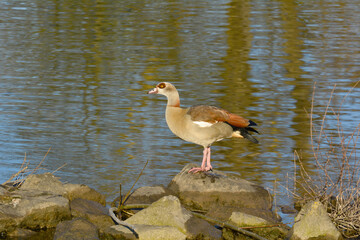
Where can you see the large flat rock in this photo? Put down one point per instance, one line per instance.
(205, 190)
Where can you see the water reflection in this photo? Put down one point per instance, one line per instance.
(74, 76)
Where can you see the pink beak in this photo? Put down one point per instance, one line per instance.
(155, 90)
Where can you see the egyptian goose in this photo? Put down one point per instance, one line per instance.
(202, 124)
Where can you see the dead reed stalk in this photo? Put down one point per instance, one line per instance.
(18, 178)
(336, 182)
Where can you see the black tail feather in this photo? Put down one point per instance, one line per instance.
(252, 123)
(244, 132)
(251, 129)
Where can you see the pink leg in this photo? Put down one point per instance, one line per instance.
(208, 165)
(205, 165)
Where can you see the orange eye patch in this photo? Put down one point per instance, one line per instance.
(162, 85)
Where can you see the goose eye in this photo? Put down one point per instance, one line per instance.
(162, 85)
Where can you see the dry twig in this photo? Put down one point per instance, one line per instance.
(337, 183)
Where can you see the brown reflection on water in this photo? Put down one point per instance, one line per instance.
(293, 46)
(235, 87)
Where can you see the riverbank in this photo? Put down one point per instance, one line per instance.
(211, 205)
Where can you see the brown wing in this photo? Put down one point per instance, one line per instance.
(238, 121)
(213, 114)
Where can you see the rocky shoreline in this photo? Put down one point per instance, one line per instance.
(211, 205)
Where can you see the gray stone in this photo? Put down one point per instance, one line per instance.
(42, 201)
(200, 229)
(313, 223)
(288, 209)
(8, 222)
(75, 229)
(150, 232)
(21, 233)
(3, 190)
(206, 190)
(149, 191)
(167, 211)
(74, 191)
(147, 195)
(144, 195)
(223, 213)
(118, 232)
(43, 211)
(34, 210)
(241, 219)
(94, 212)
(46, 182)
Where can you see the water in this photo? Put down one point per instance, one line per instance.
(74, 77)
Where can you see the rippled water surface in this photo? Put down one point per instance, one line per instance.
(74, 77)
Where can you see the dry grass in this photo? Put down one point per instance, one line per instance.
(336, 181)
(18, 178)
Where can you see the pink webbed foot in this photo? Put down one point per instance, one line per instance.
(205, 165)
(195, 170)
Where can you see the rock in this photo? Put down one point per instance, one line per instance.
(223, 213)
(6, 198)
(3, 190)
(144, 195)
(74, 191)
(34, 210)
(288, 209)
(147, 232)
(42, 211)
(241, 219)
(200, 229)
(167, 211)
(298, 205)
(8, 221)
(41, 203)
(149, 191)
(206, 190)
(77, 228)
(32, 207)
(118, 232)
(21, 233)
(94, 212)
(313, 223)
(46, 182)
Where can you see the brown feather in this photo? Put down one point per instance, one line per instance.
(213, 114)
(209, 114)
(237, 121)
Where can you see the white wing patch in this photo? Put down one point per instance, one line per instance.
(204, 124)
